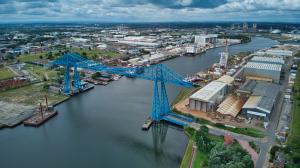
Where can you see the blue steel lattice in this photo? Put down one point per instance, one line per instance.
(159, 74)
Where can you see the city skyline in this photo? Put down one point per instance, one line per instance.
(149, 10)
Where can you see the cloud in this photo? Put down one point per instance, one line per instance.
(150, 10)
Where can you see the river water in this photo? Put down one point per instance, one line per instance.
(102, 127)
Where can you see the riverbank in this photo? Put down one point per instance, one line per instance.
(21, 103)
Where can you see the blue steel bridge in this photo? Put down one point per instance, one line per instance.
(159, 74)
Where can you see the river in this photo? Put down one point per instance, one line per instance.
(102, 127)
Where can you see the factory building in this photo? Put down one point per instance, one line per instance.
(271, 60)
(285, 50)
(263, 71)
(261, 99)
(207, 98)
(205, 39)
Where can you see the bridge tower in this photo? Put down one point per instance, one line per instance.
(160, 102)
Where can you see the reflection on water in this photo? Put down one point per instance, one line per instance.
(159, 133)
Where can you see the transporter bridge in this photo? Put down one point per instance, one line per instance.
(160, 75)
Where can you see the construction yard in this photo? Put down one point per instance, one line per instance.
(20, 103)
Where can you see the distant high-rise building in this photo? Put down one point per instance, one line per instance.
(254, 26)
(245, 26)
(232, 27)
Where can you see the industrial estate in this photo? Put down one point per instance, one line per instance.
(237, 106)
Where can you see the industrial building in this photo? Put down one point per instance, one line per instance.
(263, 71)
(271, 60)
(285, 50)
(261, 99)
(205, 39)
(207, 98)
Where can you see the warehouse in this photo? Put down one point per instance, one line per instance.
(261, 102)
(271, 60)
(207, 98)
(205, 39)
(263, 70)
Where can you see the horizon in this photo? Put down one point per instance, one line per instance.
(132, 11)
(146, 22)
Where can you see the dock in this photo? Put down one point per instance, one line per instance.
(147, 124)
(38, 118)
(42, 114)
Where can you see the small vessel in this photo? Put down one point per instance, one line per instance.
(41, 116)
(147, 124)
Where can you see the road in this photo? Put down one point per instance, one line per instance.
(276, 114)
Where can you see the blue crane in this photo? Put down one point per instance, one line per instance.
(160, 75)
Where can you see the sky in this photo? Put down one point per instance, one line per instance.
(149, 10)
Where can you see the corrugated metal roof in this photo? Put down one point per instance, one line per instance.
(263, 96)
(208, 91)
(231, 106)
(266, 89)
(264, 66)
(268, 59)
(226, 79)
(248, 86)
(252, 102)
(266, 104)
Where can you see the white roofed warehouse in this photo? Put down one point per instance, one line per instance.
(263, 70)
(268, 60)
(207, 98)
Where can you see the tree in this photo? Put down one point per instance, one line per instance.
(202, 139)
(222, 156)
(95, 75)
(50, 56)
(82, 74)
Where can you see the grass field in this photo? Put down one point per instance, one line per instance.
(41, 72)
(246, 131)
(32, 95)
(6, 73)
(93, 54)
(294, 136)
(187, 156)
(200, 159)
(30, 57)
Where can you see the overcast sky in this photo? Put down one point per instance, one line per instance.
(150, 10)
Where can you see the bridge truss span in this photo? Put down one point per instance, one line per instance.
(160, 75)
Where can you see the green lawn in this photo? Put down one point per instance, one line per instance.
(297, 54)
(247, 131)
(200, 159)
(6, 73)
(187, 156)
(294, 136)
(93, 54)
(31, 94)
(30, 57)
(41, 71)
